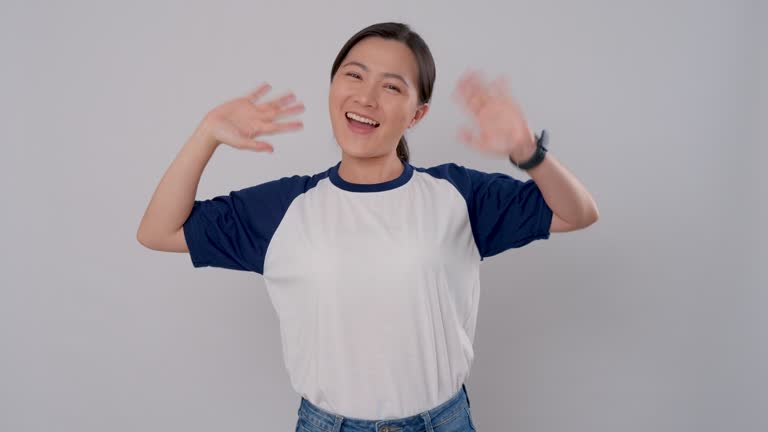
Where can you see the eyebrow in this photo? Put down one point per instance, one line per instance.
(385, 74)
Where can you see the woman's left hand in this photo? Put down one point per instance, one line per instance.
(503, 130)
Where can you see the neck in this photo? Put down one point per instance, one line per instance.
(370, 170)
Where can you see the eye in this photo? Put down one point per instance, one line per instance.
(354, 75)
(394, 87)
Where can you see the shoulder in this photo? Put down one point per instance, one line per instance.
(280, 191)
(467, 180)
(450, 171)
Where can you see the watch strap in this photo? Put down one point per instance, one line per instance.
(538, 155)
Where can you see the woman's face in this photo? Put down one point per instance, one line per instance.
(376, 80)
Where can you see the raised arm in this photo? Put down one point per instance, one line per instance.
(236, 123)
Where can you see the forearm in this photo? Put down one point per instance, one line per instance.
(562, 191)
(174, 197)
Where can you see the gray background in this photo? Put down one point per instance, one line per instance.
(653, 319)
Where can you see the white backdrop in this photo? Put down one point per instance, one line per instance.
(653, 319)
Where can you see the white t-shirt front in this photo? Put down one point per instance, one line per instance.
(376, 286)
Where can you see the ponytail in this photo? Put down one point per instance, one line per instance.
(402, 149)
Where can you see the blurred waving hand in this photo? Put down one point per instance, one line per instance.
(501, 128)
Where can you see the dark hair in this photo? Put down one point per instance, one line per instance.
(402, 33)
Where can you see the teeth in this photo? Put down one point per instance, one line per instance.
(354, 116)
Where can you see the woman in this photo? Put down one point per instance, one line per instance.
(373, 264)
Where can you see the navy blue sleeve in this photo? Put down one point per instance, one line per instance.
(506, 212)
(233, 231)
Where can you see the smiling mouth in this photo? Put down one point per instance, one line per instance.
(355, 121)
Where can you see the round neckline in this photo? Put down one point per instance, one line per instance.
(333, 174)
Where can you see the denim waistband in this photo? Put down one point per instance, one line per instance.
(323, 420)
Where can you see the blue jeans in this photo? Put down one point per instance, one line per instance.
(452, 415)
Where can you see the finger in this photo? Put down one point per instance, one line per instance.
(280, 101)
(472, 83)
(479, 93)
(462, 86)
(262, 146)
(476, 101)
(249, 144)
(259, 92)
(270, 110)
(295, 109)
(472, 92)
(274, 128)
(499, 86)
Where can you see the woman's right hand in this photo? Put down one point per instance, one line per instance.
(239, 121)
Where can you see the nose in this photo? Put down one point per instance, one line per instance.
(366, 96)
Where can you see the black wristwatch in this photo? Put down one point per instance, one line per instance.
(538, 155)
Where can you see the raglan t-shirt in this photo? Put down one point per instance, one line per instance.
(375, 286)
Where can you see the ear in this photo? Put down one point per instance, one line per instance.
(420, 113)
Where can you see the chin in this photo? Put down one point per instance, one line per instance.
(358, 152)
(361, 150)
